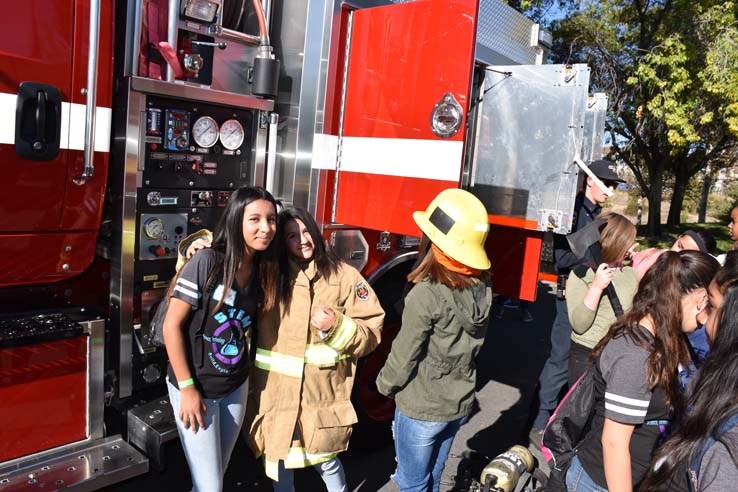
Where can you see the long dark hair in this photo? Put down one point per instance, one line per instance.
(228, 242)
(714, 398)
(659, 296)
(326, 260)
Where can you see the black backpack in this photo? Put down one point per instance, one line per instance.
(566, 429)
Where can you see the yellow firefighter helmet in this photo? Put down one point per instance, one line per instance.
(457, 223)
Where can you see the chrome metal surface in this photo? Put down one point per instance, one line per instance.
(95, 377)
(262, 136)
(198, 93)
(239, 36)
(339, 144)
(152, 425)
(390, 264)
(133, 38)
(351, 246)
(172, 20)
(446, 116)
(503, 35)
(83, 466)
(91, 95)
(520, 177)
(594, 127)
(127, 164)
(271, 167)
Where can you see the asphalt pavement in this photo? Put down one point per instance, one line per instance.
(507, 368)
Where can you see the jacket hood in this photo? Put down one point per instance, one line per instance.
(473, 311)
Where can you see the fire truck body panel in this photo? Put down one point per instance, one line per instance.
(47, 221)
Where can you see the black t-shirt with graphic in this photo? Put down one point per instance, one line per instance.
(622, 394)
(219, 354)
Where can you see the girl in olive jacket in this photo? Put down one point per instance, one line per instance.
(430, 370)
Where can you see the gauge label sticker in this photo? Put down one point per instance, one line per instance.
(161, 285)
(150, 278)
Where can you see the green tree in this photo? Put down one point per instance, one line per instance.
(669, 68)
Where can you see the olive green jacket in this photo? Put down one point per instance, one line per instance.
(590, 326)
(431, 371)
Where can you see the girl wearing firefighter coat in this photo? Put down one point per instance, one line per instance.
(300, 409)
(430, 371)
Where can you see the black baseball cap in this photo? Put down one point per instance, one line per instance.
(605, 170)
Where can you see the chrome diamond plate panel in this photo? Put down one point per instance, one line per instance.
(503, 35)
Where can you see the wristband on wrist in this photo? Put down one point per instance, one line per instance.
(185, 383)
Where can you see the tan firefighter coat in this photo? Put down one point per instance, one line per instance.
(299, 408)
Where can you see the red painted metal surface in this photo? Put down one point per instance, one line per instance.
(36, 41)
(35, 258)
(43, 390)
(515, 254)
(47, 41)
(385, 203)
(403, 59)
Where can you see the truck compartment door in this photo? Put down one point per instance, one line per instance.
(404, 61)
(528, 132)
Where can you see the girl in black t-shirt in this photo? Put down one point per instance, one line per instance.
(209, 357)
(636, 383)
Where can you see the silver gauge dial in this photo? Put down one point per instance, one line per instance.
(231, 134)
(205, 132)
(154, 228)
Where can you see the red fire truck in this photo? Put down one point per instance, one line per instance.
(125, 126)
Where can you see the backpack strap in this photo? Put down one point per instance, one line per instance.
(696, 461)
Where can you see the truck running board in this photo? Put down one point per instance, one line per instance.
(81, 467)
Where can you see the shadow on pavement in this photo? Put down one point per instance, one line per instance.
(514, 353)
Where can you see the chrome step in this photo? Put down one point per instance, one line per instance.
(80, 467)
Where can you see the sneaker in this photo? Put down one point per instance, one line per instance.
(498, 311)
(525, 316)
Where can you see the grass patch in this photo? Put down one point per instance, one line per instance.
(669, 234)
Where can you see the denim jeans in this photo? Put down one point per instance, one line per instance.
(421, 447)
(577, 479)
(556, 370)
(209, 451)
(330, 471)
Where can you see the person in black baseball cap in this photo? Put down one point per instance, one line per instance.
(606, 171)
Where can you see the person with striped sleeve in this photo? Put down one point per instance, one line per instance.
(300, 412)
(213, 303)
(637, 390)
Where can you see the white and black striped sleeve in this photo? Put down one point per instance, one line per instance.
(627, 395)
(193, 277)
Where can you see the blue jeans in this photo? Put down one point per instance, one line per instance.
(330, 471)
(421, 448)
(577, 479)
(209, 451)
(556, 370)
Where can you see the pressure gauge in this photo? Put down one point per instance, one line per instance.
(153, 228)
(231, 134)
(205, 132)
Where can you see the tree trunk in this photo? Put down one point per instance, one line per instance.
(654, 205)
(677, 200)
(706, 185)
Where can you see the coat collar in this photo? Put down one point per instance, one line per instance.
(309, 273)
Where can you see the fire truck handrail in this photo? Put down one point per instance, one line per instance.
(91, 94)
(202, 94)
